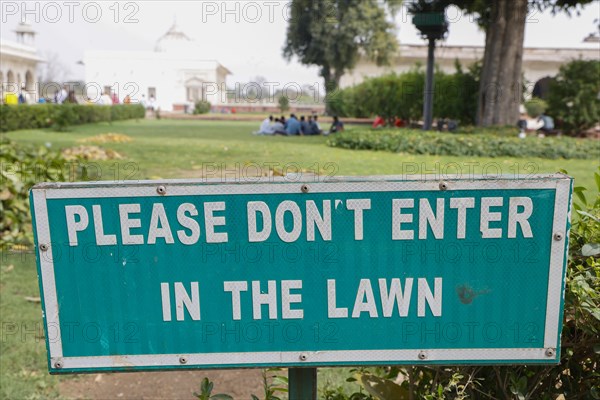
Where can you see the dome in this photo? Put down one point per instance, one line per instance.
(174, 41)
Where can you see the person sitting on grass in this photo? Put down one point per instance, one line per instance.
(266, 127)
(313, 129)
(336, 126)
(378, 123)
(399, 123)
(452, 125)
(278, 128)
(304, 126)
(522, 125)
(547, 124)
(316, 128)
(293, 126)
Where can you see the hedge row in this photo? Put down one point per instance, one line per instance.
(401, 95)
(61, 116)
(477, 145)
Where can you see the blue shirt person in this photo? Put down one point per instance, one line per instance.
(292, 126)
(315, 129)
(304, 126)
(337, 125)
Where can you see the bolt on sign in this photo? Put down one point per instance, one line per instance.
(344, 271)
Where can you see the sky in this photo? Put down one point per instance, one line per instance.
(245, 36)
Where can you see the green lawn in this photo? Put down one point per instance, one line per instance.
(23, 366)
(184, 149)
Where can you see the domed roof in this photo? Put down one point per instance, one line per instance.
(174, 40)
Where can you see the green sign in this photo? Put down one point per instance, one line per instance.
(345, 271)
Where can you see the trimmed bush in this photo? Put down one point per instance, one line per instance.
(401, 95)
(535, 107)
(475, 145)
(62, 116)
(574, 99)
(202, 107)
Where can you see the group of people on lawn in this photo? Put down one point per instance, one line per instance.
(292, 126)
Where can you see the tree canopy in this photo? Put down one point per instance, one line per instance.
(334, 34)
(504, 21)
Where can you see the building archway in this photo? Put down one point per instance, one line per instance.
(11, 84)
(29, 85)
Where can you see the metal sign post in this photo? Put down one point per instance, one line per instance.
(302, 383)
(298, 273)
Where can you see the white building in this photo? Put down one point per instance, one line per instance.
(175, 74)
(18, 62)
(538, 63)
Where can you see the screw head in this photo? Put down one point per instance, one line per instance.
(558, 236)
(304, 188)
(550, 352)
(182, 360)
(443, 185)
(161, 190)
(422, 355)
(58, 365)
(303, 357)
(44, 247)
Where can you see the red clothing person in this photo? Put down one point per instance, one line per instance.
(378, 122)
(399, 123)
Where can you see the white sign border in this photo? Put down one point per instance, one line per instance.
(557, 271)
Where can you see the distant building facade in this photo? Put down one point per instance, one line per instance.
(174, 75)
(18, 63)
(538, 63)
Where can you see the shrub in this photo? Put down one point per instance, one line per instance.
(62, 116)
(499, 130)
(456, 95)
(25, 117)
(574, 96)
(337, 102)
(535, 107)
(474, 145)
(202, 107)
(395, 95)
(401, 95)
(120, 112)
(23, 167)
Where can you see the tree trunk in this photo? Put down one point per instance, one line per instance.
(501, 83)
(332, 85)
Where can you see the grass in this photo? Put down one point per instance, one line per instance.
(23, 369)
(184, 149)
